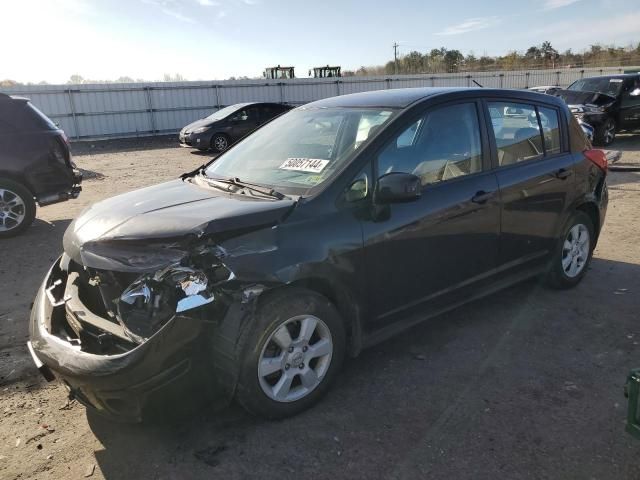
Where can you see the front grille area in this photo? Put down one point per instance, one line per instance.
(86, 314)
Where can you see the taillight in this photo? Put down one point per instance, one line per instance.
(598, 157)
(59, 152)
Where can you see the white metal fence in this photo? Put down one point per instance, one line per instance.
(140, 109)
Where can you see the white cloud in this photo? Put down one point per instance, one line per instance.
(208, 3)
(222, 14)
(469, 25)
(553, 4)
(171, 8)
(619, 30)
(177, 15)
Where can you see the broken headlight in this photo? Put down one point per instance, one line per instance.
(152, 300)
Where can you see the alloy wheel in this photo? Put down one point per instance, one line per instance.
(575, 250)
(295, 358)
(220, 143)
(609, 132)
(12, 210)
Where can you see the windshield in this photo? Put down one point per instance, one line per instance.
(301, 149)
(606, 85)
(226, 111)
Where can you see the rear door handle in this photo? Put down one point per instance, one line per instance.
(563, 173)
(482, 196)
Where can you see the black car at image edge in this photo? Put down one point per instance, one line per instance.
(35, 164)
(327, 230)
(609, 104)
(228, 125)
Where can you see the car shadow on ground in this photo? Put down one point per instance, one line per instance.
(625, 142)
(204, 153)
(117, 145)
(510, 353)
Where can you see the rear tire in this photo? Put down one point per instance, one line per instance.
(17, 208)
(293, 352)
(606, 133)
(573, 253)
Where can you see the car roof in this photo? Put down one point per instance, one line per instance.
(619, 75)
(404, 97)
(10, 98)
(251, 104)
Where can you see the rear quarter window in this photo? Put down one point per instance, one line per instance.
(549, 120)
(22, 116)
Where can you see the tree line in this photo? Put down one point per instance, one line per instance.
(443, 60)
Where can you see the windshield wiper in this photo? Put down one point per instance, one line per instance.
(270, 192)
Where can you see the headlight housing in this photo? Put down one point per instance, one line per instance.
(593, 109)
(153, 299)
(200, 130)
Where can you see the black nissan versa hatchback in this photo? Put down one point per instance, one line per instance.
(326, 231)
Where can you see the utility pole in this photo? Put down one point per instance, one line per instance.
(395, 55)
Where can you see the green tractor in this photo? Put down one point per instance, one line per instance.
(326, 72)
(632, 391)
(279, 73)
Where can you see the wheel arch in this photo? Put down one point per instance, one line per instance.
(341, 297)
(593, 212)
(18, 178)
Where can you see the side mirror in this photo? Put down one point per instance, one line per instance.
(358, 189)
(398, 187)
(635, 92)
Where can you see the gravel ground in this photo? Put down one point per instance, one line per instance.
(525, 384)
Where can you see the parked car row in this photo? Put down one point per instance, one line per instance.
(606, 105)
(329, 229)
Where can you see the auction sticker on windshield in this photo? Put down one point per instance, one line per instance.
(314, 165)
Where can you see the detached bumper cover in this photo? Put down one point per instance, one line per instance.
(119, 385)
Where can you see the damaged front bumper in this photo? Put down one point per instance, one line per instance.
(107, 370)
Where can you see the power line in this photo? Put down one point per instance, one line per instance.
(395, 56)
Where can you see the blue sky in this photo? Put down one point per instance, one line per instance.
(214, 39)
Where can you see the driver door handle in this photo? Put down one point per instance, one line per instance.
(563, 173)
(482, 196)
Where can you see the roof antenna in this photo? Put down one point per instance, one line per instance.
(477, 83)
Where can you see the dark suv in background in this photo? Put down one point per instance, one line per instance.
(228, 125)
(609, 104)
(35, 164)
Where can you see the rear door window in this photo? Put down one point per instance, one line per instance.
(516, 131)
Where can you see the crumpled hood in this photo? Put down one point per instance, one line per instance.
(576, 97)
(203, 122)
(168, 211)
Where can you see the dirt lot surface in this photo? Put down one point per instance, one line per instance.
(525, 384)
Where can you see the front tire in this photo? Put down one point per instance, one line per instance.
(17, 208)
(293, 353)
(574, 252)
(606, 133)
(220, 142)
